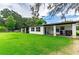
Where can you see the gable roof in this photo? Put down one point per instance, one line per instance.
(62, 23)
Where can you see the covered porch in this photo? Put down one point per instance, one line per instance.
(61, 29)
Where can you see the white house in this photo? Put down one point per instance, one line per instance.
(36, 30)
(63, 28)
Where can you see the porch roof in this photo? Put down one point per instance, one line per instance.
(62, 23)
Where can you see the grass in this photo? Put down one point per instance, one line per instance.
(30, 44)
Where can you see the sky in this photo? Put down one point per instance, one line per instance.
(21, 8)
(71, 16)
(24, 10)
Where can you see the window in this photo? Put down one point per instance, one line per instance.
(38, 29)
(77, 27)
(32, 29)
(57, 30)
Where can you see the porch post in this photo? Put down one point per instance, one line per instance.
(54, 30)
(25, 30)
(21, 29)
(73, 30)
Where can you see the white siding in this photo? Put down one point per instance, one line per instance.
(36, 32)
(49, 29)
(73, 30)
(68, 27)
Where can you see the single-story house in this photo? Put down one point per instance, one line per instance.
(63, 28)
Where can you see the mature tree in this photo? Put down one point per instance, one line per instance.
(10, 23)
(17, 17)
(40, 21)
(5, 12)
(27, 22)
(35, 21)
(2, 22)
(24, 22)
(35, 9)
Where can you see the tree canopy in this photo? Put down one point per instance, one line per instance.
(17, 17)
(16, 21)
(10, 23)
(63, 8)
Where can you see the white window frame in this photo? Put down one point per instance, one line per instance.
(38, 29)
(32, 29)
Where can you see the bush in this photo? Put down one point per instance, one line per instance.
(3, 29)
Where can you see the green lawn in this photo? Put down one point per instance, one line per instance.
(22, 44)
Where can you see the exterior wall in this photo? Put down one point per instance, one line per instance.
(49, 29)
(73, 30)
(52, 29)
(68, 27)
(35, 32)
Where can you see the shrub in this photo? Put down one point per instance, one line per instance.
(3, 29)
